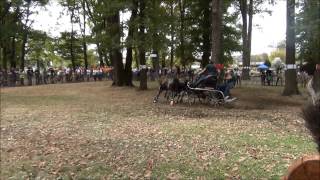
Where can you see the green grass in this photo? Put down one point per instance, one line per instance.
(93, 131)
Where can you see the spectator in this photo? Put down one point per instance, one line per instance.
(29, 76)
(37, 74)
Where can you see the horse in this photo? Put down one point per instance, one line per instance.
(172, 87)
(308, 167)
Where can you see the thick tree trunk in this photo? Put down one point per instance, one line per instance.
(116, 55)
(206, 45)
(128, 67)
(129, 58)
(206, 29)
(142, 53)
(291, 85)
(245, 50)
(216, 53)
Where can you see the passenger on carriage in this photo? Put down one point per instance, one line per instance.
(207, 77)
(226, 85)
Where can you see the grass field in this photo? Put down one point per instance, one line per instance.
(95, 131)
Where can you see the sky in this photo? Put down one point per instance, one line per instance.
(268, 30)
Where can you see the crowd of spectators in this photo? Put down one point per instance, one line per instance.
(35, 76)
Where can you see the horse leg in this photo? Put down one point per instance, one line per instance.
(155, 100)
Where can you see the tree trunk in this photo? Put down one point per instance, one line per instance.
(216, 31)
(291, 85)
(206, 28)
(116, 55)
(163, 60)
(72, 50)
(250, 30)
(4, 57)
(245, 50)
(128, 67)
(84, 43)
(182, 29)
(132, 28)
(23, 50)
(136, 58)
(72, 38)
(142, 53)
(13, 58)
(172, 36)
(1, 56)
(100, 54)
(156, 62)
(25, 37)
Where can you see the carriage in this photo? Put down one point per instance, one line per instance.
(204, 95)
(190, 93)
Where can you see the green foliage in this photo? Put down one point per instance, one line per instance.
(15, 25)
(36, 44)
(281, 53)
(64, 44)
(308, 31)
(267, 63)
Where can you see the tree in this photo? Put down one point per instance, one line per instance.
(130, 43)
(141, 48)
(308, 31)
(15, 27)
(114, 29)
(70, 48)
(291, 85)
(247, 10)
(83, 32)
(36, 48)
(216, 31)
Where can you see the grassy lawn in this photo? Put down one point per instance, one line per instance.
(95, 131)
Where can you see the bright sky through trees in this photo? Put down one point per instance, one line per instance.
(268, 30)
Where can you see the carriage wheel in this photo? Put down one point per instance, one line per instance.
(191, 98)
(184, 97)
(215, 98)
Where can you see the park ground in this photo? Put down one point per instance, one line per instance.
(95, 131)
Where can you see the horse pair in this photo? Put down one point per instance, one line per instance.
(173, 88)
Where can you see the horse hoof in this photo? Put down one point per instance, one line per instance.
(154, 101)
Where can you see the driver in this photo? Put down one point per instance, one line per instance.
(208, 76)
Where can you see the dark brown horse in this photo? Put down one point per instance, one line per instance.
(308, 167)
(173, 89)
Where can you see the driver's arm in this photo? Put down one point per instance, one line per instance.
(202, 71)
